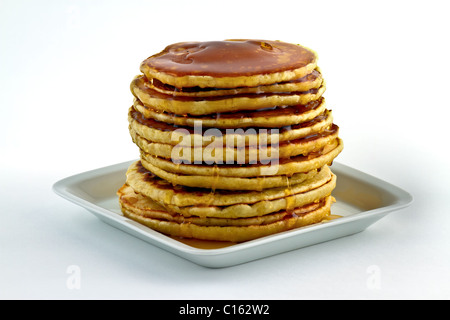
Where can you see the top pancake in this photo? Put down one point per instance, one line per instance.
(229, 63)
(312, 80)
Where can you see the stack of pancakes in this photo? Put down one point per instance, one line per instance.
(235, 141)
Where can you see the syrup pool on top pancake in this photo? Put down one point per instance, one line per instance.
(229, 63)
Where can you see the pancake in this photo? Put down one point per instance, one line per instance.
(229, 64)
(287, 166)
(162, 132)
(227, 183)
(239, 210)
(235, 141)
(267, 118)
(146, 207)
(221, 154)
(233, 233)
(310, 81)
(145, 182)
(208, 105)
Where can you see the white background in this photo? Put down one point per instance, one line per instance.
(65, 69)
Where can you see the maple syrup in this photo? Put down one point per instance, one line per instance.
(229, 58)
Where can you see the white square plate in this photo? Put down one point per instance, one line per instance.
(361, 200)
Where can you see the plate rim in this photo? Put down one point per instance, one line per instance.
(61, 188)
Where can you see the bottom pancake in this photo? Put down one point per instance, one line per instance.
(149, 213)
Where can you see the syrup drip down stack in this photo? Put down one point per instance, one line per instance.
(235, 141)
